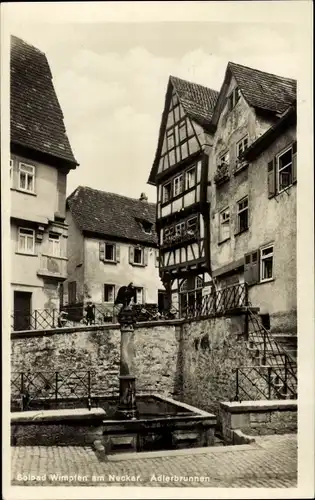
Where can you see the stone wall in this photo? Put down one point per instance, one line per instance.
(258, 417)
(98, 349)
(212, 348)
(192, 362)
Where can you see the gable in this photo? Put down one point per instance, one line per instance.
(179, 138)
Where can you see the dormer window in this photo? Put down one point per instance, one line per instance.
(147, 226)
(233, 98)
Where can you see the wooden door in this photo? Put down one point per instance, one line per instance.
(22, 310)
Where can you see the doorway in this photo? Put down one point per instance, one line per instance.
(162, 301)
(22, 310)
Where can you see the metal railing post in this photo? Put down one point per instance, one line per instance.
(22, 391)
(246, 294)
(89, 390)
(35, 318)
(264, 352)
(237, 385)
(269, 382)
(285, 374)
(56, 386)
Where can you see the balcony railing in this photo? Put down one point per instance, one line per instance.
(53, 267)
(217, 302)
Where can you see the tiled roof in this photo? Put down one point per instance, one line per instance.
(264, 90)
(198, 101)
(113, 215)
(36, 115)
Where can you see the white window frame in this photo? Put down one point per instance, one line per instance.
(31, 234)
(263, 258)
(27, 176)
(224, 221)
(190, 182)
(139, 289)
(177, 185)
(279, 170)
(241, 143)
(240, 211)
(11, 172)
(114, 252)
(142, 256)
(54, 245)
(167, 198)
(113, 293)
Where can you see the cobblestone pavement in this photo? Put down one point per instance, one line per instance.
(270, 462)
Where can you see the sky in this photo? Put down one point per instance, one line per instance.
(111, 80)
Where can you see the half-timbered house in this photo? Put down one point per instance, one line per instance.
(180, 173)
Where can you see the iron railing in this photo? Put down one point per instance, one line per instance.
(27, 387)
(217, 302)
(265, 382)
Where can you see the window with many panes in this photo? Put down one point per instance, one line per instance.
(109, 293)
(27, 177)
(178, 185)
(190, 178)
(241, 146)
(224, 159)
(284, 169)
(242, 215)
(54, 245)
(180, 229)
(224, 225)
(266, 263)
(26, 240)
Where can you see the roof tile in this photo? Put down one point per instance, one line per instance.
(36, 115)
(112, 215)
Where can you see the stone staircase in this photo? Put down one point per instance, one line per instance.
(273, 372)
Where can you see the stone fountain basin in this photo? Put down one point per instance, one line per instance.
(163, 424)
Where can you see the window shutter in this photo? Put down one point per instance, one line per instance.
(156, 258)
(248, 268)
(271, 178)
(117, 247)
(255, 267)
(102, 250)
(131, 255)
(294, 157)
(145, 256)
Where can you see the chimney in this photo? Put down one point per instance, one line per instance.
(143, 197)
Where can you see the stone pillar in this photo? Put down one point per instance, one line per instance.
(127, 408)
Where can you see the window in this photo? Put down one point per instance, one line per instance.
(72, 292)
(241, 146)
(11, 172)
(180, 228)
(170, 139)
(224, 225)
(225, 159)
(233, 98)
(167, 192)
(190, 178)
(109, 251)
(54, 244)
(147, 227)
(192, 225)
(27, 177)
(138, 256)
(139, 295)
(242, 215)
(26, 242)
(178, 185)
(266, 263)
(284, 164)
(109, 293)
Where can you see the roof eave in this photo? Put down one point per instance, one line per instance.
(287, 120)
